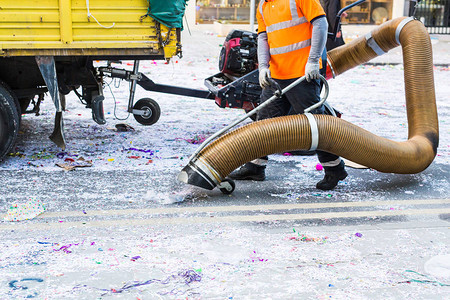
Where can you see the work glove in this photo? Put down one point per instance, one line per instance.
(311, 71)
(264, 76)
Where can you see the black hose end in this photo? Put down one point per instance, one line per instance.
(193, 175)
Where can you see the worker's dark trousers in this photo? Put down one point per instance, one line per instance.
(298, 99)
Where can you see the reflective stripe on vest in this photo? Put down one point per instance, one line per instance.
(288, 34)
(295, 21)
(286, 24)
(290, 48)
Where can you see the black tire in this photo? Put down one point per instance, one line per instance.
(230, 189)
(9, 120)
(153, 111)
(16, 100)
(18, 109)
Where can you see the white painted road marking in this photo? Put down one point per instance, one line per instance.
(158, 220)
(234, 208)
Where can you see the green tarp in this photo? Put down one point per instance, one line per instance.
(168, 12)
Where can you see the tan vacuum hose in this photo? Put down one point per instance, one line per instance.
(340, 137)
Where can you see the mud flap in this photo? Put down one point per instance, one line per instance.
(57, 135)
(98, 114)
(48, 70)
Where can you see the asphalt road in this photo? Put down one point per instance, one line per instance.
(358, 198)
(104, 236)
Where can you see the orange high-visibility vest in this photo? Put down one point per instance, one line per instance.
(288, 27)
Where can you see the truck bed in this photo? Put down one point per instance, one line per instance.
(65, 28)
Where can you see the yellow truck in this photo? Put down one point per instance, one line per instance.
(51, 46)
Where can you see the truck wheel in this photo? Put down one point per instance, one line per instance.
(9, 120)
(16, 100)
(146, 111)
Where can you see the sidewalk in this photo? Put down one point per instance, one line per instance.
(440, 43)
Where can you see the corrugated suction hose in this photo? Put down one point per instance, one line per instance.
(335, 135)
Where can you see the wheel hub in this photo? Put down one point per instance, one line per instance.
(147, 112)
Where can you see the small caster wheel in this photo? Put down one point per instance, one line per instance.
(227, 186)
(146, 111)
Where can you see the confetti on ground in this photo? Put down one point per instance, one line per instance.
(71, 164)
(24, 211)
(186, 277)
(305, 238)
(150, 152)
(413, 276)
(198, 139)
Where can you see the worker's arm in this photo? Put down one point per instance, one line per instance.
(318, 41)
(263, 50)
(263, 59)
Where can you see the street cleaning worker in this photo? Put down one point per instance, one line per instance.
(291, 39)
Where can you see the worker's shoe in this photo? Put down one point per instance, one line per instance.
(331, 179)
(249, 171)
(302, 152)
